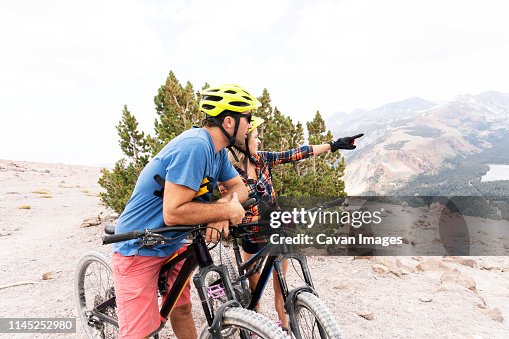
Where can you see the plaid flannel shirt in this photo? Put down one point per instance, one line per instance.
(262, 189)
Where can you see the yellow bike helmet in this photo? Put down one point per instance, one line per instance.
(231, 98)
(255, 123)
(220, 101)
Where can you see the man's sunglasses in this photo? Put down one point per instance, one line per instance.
(248, 116)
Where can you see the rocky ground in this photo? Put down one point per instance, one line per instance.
(43, 208)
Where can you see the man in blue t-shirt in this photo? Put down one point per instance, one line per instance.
(195, 157)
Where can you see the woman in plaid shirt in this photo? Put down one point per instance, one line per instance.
(254, 168)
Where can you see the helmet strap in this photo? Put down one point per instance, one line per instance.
(230, 148)
(246, 154)
(230, 138)
(234, 136)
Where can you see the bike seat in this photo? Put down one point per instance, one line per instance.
(109, 229)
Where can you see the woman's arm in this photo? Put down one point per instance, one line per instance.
(303, 152)
(296, 154)
(319, 149)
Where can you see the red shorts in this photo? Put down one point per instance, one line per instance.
(135, 279)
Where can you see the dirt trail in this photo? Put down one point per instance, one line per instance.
(375, 298)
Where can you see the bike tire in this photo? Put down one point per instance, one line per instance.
(220, 254)
(93, 284)
(238, 319)
(311, 312)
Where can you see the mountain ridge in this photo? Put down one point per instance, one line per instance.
(414, 137)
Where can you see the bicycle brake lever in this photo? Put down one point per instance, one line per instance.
(152, 239)
(249, 202)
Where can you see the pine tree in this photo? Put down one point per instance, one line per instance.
(177, 110)
(286, 180)
(119, 182)
(323, 173)
(132, 142)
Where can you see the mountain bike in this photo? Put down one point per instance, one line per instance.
(95, 292)
(308, 316)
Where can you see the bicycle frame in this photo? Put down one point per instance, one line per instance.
(272, 262)
(195, 255)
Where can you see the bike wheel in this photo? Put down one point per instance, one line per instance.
(221, 254)
(216, 287)
(241, 323)
(93, 285)
(312, 315)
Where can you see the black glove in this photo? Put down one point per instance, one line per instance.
(344, 143)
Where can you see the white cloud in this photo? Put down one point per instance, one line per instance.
(66, 64)
(67, 70)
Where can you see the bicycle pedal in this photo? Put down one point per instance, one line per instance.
(284, 329)
(216, 291)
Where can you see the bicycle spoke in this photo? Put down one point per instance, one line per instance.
(307, 324)
(94, 286)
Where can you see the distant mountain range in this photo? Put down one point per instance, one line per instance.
(416, 146)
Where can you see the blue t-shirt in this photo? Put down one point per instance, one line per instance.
(186, 160)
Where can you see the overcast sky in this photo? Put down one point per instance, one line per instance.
(68, 67)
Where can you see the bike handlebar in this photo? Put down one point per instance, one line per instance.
(110, 239)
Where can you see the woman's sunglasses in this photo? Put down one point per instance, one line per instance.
(259, 188)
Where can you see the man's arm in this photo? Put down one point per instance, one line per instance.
(179, 209)
(235, 185)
